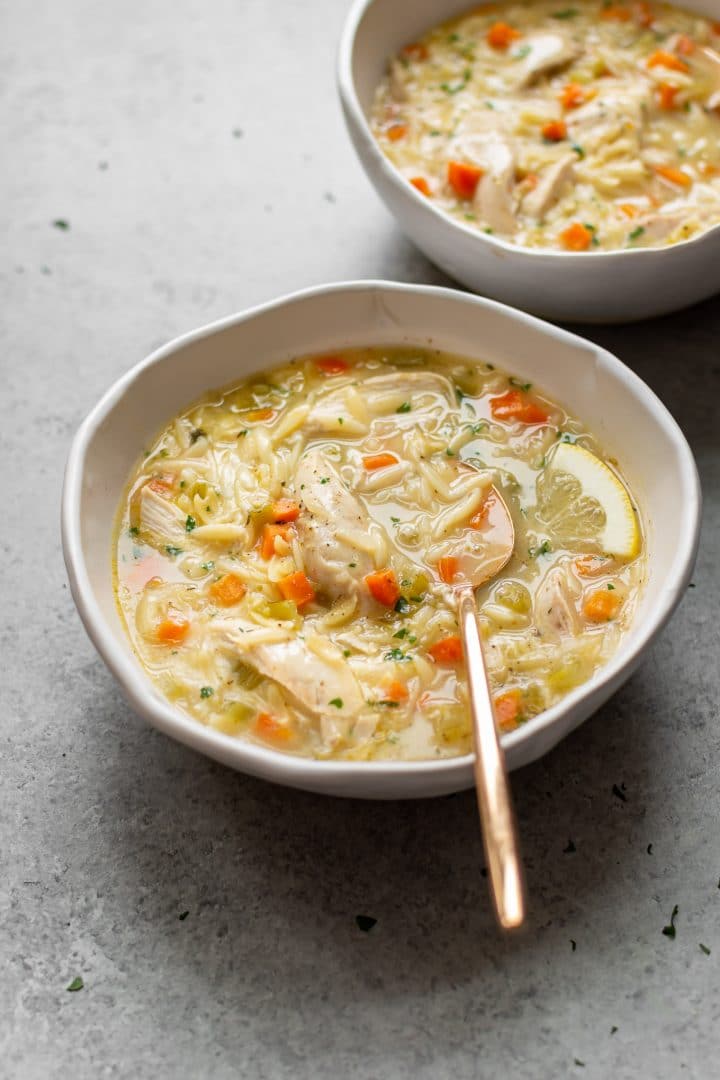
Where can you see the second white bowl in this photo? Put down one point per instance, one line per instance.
(600, 286)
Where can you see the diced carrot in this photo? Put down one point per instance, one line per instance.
(256, 416)
(228, 590)
(448, 650)
(285, 510)
(516, 405)
(448, 568)
(270, 534)
(616, 13)
(576, 237)
(332, 365)
(396, 132)
(383, 587)
(590, 565)
(162, 484)
(480, 517)
(675, 176)
(501, 35)
(379, 461)
(271, 729)
(708, 169)
(507, 709)
(572, 95)
(662, 58)
(715, 27)
(684, 45)
(463, 179)
(644, 14)
(666, 95)
(421, 184)
(297, 588)
(601, 605)
(173, 629)
(554, 130)
(415, 51)
(395, 691)
(629, 209)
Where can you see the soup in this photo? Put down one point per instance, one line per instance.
(586, 127)
(286, 549)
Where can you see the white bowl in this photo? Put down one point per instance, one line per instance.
(595, 286)
(619, 408)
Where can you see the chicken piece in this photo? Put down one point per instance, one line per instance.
(546, 52)
(347, 411)
(657, 227)
(312, 670)
(554, 610)
(708, 60)
(613, 117)
(160, 517)
(553, 181)
(334, 530)
(494, 194)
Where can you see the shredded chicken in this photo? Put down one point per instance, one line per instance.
(554, 609)
(546, 52)
(553, 180)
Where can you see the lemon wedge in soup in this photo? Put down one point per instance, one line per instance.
(619, 534)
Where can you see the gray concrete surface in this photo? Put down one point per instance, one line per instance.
(197, 152)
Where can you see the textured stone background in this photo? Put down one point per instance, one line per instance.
(197, 151)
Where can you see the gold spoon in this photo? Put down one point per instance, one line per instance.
(474, 568)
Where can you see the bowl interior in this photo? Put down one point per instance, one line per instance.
(380, 27)
(617, 406)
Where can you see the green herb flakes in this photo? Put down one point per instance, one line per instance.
(337, 702)
(404, 408)
(206, 691)
(190, 523)
(172, 551)
(64, 226)
(76, 984)
(636, 233)
(365, 923)
(704, 948)
(669, 930)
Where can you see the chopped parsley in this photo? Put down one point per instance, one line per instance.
(543, 549)
(172, 550)
(520, 386)
(206, 691)
(611, 588)
(567, 436)
(190, 523)
(449, 452)
(395, 654)
(324, 479)
(242, 433)
(183, 915)
(636, 233)
(402, 606)
(386, 702)
(704, 948)
(566, 13)
(613, 1029)
(578, 150)
(207, 566)
(61, 223)
(402, 633)
(365, 922)
(76, 984)
(133, 531)
(337, 702)
(522, 52)
(669, 930)
(455, 88)
(197, 433)
(404, 408)
(346, 652)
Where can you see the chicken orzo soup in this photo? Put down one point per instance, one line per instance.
(588, 126)
(286, 548)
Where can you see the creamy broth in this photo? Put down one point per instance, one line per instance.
(581, 127)
(285, 550)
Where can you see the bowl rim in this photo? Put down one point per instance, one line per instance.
(357, 119)
(300, 771)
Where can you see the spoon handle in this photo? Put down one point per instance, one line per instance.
(491, 779)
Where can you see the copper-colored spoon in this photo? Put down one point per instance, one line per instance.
(475, 568)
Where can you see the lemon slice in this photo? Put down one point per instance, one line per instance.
(617, 530)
